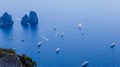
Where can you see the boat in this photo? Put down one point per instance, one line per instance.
(39, 44)
(85, 63)
(57, 50)
(113, 45)
(62, 34)
(79, 25)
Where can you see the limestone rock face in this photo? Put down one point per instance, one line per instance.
(33, 19)
(6, 20)
(9, 60)
(25, 20)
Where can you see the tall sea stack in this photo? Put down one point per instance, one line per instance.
(25, 20)
(6, 20)
(32, 19)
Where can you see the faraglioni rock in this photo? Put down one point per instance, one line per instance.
(25, 20)
(8, 58)
(6, 20)
(31, 20)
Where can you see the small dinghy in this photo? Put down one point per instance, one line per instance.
(79, 25)
(62, 34)
(45, 38)
(38, 51)
(113, 45)
(85, 63)
(57, 33)
(54, 28)
(39, 44)
(57, 50)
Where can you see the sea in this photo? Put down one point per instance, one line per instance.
(100, 27)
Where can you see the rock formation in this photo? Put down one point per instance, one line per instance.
(6, 20)
(32, 19)
(25, 20)
(8, 58)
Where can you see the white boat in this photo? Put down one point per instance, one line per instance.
(113, 45)
(45, 38)
(57, 33)
(80, 25)
(85, 63)
(38, 51)
(57, 50)
(39, 44)
(62, 34)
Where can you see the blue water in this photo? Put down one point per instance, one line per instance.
(100, 19)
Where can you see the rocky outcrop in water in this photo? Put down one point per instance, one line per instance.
(8, 58)
(6, 20)
(25, 20)
(32, 19)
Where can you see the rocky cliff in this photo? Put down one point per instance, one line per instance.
(8, 58)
